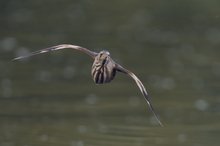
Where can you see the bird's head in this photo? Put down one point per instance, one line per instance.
(103, 56)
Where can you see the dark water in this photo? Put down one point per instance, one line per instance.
(51, 100)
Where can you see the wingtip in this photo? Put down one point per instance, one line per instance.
(161, 125)
(158, 120)
(17, 58)
(14, 59)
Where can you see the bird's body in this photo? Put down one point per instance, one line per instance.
(103, 69)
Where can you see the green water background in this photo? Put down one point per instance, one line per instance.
(51, 100)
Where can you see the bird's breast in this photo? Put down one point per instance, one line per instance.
(103, 73)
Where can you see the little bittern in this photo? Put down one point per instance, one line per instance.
(103, 69)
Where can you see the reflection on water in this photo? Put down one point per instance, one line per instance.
(51, 99)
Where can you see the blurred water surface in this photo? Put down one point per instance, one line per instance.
(51, 100)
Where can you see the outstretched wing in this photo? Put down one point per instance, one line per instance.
(59, 47)
(141, 87)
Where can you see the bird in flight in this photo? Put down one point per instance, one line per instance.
(103, 69)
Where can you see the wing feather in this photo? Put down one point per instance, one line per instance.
(141, 87)
(59, 47)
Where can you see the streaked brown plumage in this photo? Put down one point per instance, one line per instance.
(103, 69)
